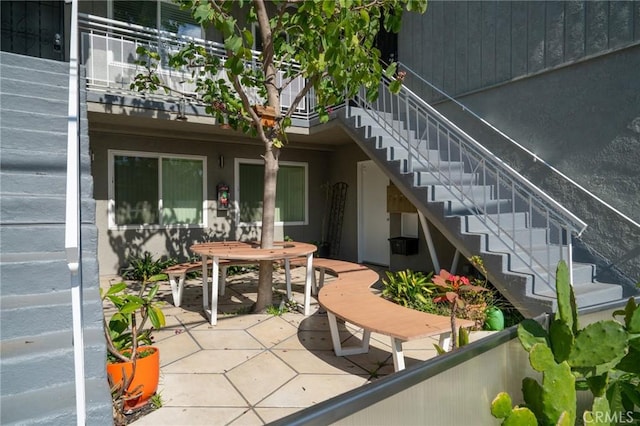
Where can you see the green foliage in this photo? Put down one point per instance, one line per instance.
(408, 288)
(602, 357)
(125, 329)
(513, 416)
(156, 400)
(143, 267)
(329, 44)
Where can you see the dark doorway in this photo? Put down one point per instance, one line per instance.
(33, 28)
(388, 44)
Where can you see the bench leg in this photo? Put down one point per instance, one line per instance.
(205, 283)
(215, 271)
(398, 354)
(287, 274)
(335, 338)
(445, 341)
(177, 285)
(223, 279)
(307, 285)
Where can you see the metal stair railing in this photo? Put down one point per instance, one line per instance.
(616, 244)
(507, 200)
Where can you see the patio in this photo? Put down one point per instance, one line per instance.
(252, 369)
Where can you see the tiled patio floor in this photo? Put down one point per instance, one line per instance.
(252, 369)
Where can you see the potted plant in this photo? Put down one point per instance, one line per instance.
(133, 364)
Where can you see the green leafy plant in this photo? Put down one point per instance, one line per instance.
(143, 267)
(452, 289)
(603, 357)
(156, 400)
(408, 288)
(125, 330)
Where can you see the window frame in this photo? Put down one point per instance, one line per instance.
(159, 156)
(158, 15)
(236, 191)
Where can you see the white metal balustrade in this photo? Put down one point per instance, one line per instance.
(493, 198)
(108, 52)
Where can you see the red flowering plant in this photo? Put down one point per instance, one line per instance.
(452, 289)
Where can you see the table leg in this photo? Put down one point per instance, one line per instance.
(205, 283)
(214, 290)
(287, 274)
(307, 285)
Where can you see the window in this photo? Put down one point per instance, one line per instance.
(291, 192)
(156, 189)
(161, 15)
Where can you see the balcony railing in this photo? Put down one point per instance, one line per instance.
(108, 52)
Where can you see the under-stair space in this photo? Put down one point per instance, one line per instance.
(481, 205)
(37, 354)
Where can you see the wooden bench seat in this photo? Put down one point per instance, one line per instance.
(350, 298)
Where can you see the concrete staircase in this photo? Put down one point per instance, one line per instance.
(475, 209)
(37, 363)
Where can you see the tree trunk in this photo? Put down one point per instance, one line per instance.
(265, 278)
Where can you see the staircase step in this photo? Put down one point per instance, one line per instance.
(39, 209)
(592, 293)
(45, 141)
(39, 162)
(479, 193)
(515, 221)
(34, 314)
(48, 238)
(40, 272)
(41, 183)
(433, 178)
(57, 405)
(28, 241)
(34, 356)
(20, 102)
(30, 64)
(529, 237)
(18, 95)
(582, 273)
(34, 120)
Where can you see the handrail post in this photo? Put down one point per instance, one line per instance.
(72, 219)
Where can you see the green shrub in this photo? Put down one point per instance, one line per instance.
(143, 267)
(408, 288)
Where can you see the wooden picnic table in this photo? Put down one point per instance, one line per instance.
(249, 251)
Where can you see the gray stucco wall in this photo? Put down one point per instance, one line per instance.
(584, 120)
(462, 46)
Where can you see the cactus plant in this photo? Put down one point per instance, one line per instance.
(603, 357)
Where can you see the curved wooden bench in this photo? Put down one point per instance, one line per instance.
(349, 297)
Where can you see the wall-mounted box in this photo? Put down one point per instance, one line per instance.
(404, 245)
(397, 202)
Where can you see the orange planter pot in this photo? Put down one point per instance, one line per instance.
(146, 376)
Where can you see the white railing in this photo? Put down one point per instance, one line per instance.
(531, 226)
(72, 218)
(109, 55)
